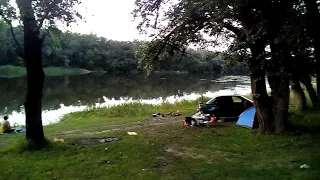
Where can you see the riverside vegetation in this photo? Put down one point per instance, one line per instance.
(67, 53)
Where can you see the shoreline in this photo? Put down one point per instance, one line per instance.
(55, 116)
(9, 71)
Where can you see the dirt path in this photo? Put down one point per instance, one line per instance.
(128, 126)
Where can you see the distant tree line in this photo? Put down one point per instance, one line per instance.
(67, 49)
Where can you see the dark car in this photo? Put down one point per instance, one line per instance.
(225, 106)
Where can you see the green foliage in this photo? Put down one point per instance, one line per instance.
(280, 23)
(90, 52)
(136, 110)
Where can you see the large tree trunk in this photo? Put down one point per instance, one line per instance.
(298, 94)
(261, 101)
(280, 101)
(306, 81)
(259, 91)
(257, 71)
(279, 83)
(313, 16)
(35, 74)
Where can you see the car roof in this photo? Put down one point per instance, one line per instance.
(234, 95)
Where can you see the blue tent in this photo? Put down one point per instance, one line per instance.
(246, 119)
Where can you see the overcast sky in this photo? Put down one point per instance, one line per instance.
(111, 19)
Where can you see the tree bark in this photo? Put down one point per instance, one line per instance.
(306, 81)
(298, 94)
(258, 86)
(35, 74)
(261, 101)
(313, 16)
(280, 101)
(260, 96)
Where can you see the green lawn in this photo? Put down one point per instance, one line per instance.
(163, 148)
(9, 71)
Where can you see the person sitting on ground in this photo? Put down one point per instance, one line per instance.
(5, 125)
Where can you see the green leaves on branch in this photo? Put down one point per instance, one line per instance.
(48, 12)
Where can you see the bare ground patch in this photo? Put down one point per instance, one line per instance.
(151, 123)
(211, 156)
(93, 141)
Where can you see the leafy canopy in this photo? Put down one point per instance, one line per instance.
(186, 22)
(46, 12)
(179, 23)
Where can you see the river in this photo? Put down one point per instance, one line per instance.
(67, 94)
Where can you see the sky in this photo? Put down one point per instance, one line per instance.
(111, 19)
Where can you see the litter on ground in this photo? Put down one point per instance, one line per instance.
(304, 166)
(110, 139)
(58, 140)
(132, 133)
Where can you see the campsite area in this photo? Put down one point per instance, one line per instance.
(163, 148)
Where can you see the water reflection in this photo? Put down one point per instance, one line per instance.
(74, 93)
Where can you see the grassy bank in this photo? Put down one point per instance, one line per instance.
(163, 148)
(17, 71)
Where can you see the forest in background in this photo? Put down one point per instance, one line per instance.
(67, 49)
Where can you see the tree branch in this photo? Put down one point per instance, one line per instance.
(234, 29)
(43, 18)
(47, 12)
(19, 50)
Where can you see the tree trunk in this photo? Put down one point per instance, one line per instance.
(280, 101)
(306, 81)
(261, 101)
(259, 91)
(298, 94)
(281, 61)
(35, 74)
(313, 16)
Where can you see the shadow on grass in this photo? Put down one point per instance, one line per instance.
(22, 145)
(307, 121)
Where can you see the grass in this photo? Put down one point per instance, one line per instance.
(121, 114)
(9, 71)
(163, 151)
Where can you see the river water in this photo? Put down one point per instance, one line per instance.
(67, 94)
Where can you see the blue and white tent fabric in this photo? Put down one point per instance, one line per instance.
(246, 119)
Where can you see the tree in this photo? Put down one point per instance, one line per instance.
(254, 25)
(35, 14)
(189, 19)
(66, 49)
(312, 19)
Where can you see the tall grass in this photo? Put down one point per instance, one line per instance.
(138, 109)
